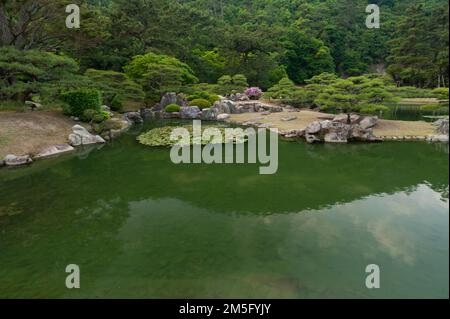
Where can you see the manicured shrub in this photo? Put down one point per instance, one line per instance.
(201, 103)
(212, 98)
(80, 100)
(171, 108)
(254, 93)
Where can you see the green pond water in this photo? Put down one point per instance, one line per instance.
(141, 227)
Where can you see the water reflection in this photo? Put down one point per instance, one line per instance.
(143, 227)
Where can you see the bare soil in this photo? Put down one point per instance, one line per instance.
(24, 133)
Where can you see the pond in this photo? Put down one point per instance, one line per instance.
(139, 226)
(412, 112)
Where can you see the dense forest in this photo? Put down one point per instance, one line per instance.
(165, 44)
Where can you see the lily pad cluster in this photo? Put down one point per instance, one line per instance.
(161, 136)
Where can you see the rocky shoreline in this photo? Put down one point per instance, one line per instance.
(343, 128)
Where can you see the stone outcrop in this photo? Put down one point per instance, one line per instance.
(13, 160)
(190, 112)
(134, 117)
(232, 107)
(171, 98)
(55, 150)
(368, 122)
(441, 126)
(209, 114)
(81, 136)
(338, 131)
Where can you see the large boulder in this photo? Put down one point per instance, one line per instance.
(134, 117)
(13, 160)
(368, 122)
(190, 112)
(172, 98)
(81, 136)
(225, 107)
(441, 126)
(209, 114)
(313, 128)
(239, 97)
(347, 118)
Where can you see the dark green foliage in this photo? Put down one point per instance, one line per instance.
(115, 86)
(80, 100)
(171, 108)
(159, 74)
(212, 98)
(201, 103)
(42, 75)
(117, 103)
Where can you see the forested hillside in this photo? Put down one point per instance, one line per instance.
(263, 39)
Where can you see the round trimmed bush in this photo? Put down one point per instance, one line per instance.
(212, 98)
(172, 108)
(201, 103)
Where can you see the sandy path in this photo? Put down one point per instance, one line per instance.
(304, 118)
(31, 132)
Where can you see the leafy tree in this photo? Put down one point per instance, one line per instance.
(24, 74)
(159, 74)
(419, 54)
(115, 86)
(306, 57)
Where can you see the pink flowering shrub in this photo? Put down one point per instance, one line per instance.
(254, 93)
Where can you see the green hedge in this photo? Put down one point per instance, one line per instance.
(172, 108)
(201, 103)
(80, 100)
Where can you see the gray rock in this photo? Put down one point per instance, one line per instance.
(313, 128)
(225, 106)
(266, 113)
(347, 118)
(172, 98)
(190, 112)
(239, 97)
(334, 137)
(209, 114)
(106, 108)
(288, 118)
(55, 150)
(13, 160)
(310, 138)
(438, 138)
(223, 117)
(441, 126)
(368, 122)
(134, 117)
(81, 136)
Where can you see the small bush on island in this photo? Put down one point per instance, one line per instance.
(172, 108)
(212, 98)
(88, 115)
(201, 103)
(80, 100)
